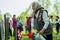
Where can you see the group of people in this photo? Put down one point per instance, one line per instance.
(56, 23)
(17, 26)
(39, 21)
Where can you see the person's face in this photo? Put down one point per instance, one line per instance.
(33, 7)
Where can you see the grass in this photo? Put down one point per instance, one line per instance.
(55, 37)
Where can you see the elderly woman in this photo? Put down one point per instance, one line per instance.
(40, 20)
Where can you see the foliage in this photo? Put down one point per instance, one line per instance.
(23, 16)
(45, 3)
(8, 14)
(0, 16)
(55, 11)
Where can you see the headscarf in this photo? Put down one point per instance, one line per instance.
(36, 5)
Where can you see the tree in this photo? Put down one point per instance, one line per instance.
(56, 7)
(0, 16)
(8, 14)
(45, 3)
(24, 14)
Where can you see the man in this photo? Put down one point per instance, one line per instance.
(40, 20)
(15, 26)
(57, 24)
(28, 24)
(51, 20)
(19, 24)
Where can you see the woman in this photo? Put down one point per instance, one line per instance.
(41, 20)
(9, 28)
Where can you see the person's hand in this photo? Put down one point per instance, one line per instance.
(41, 31)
